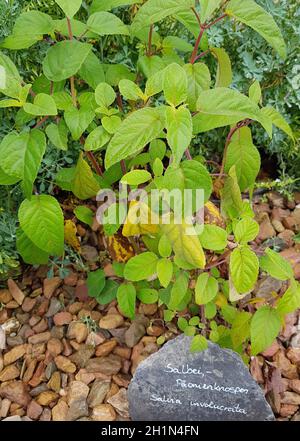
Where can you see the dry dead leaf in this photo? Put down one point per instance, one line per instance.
(70, 235)
(119, 248)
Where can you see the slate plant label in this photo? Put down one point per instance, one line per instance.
(175, 384)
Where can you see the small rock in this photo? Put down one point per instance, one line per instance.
(55, 382)
(47, 397)
(290, 398)
(54, 346)
(84, 376)
(288, 410)
(98, 392)
(296, 417)
(14, 354)
(57, 332)
(288, 237)
(13, 418)
(123, 352)
(295, 386)
(134, 333)
(81, 357)
(39, 338)
(271, 351)
(54, 308)
(15, 291)
(89, 253)
(5, 296)
(62, 318)
(50, 285)
(295, 341)
(289, 222)
(60, 411)
(34, 410)
(120, 402)
(42, 326)
(76, 399)
(266, 229)
(106, 348)
(266, 286)
(104, 412)
(38, 376)
(64, 364)
(16, 392)
(111, 321)
(4, 407)
(110, 365)
(75, 307)
(71, 279)
(28, 304)
(94, 339)
(288, 369)
(293, 354)
(46, 415)
(9, 373)
(149, 309)
(77, 331)
(277, 224)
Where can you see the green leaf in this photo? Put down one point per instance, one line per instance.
(253, 15)
(231, 198)
(91, 71)
(95, 282)
(255, 92)
(105, 23)
(33, 24)
(164, 272)
(107, 5)
(206, 289)
(154, 84)
(21, 156)
(109, 292)
(199, 343)
(136, 177)
(78, 120)
(84, 184)
(290, 301)
(242, 154)
(111, 123)
(246, 230)
(84, 214)
(104, 95)
(175, 84)
(130, 91)
(172, 42)
(43, 105)
(117, 72)
(33, 155)
(240, 330)
(10, 80)
(228, 103)
(199, 79)
(275, 265)
(229, 313)
(213, 238)
(179, 130)
(97, 139)
(141, 267)
(42, 221)
(178, 291)
(189, 20)
(126, 297)
(278, 120)
(158, 167)
(16, 42)
(63, 100)
(210, 310)
(157, 149)
(64, 59)
(190, 331)
(182, 323)
(185, 246)
(265, 326)
(137, 130)
(156, 10)
(6, 179)
(244, 268)
(150, 66)
(164, 246)
(224, 71)
(208, 7)
(29, 252)
(148, 296)
(70, 7)
(191, 175)
(58, 134)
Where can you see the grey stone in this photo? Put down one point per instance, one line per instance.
(175, 384)
(98, 392)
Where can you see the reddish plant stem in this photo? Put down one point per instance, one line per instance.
(149, 51)
(95, 163)
(234, 129)
(73, 91)
(201, 55)
(83, 34)
(123, 167)
(41, 122)
(195, 51)
(188, 154)
(197, 16)
(70, 29)
(120, 102)
(215, 21)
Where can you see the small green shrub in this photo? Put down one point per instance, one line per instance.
(134, 124)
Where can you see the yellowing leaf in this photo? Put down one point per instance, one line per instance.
(70, 235)
(120, 249)
(139, 220)
(212, 215)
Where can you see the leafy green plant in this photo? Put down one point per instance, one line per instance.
(135, 125)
